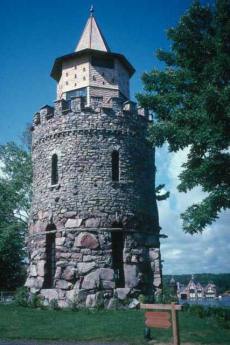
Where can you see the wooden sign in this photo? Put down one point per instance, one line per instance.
(161, 319)
(157, 319)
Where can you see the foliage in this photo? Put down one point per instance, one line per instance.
(35, 301)
(104, 326)
(15, 198)
(220, 315)
(12, 253)
(190, 100)
(15, 184)
(158, 193)
(74, 304)
(167, 296)
(54, 304)
(146, 298)
(22, 296)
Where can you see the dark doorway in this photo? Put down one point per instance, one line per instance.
(50, 266)
(117, 258)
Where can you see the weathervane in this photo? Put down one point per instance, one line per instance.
(91, 10)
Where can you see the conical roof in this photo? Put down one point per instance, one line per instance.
(92, 37)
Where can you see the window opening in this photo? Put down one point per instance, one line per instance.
(54, 168)
(115, 166)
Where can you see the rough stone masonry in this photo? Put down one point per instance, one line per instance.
(93, 230)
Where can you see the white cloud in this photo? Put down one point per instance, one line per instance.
(183, 253)
(1, 172)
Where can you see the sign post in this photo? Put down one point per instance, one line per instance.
(161, 319)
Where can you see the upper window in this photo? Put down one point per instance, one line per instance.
(115, 166)
(102, 62)
(54, 170)
(76, 93)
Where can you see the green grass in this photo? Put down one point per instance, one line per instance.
(124, 326)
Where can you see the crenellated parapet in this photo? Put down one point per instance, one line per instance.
(77, 105)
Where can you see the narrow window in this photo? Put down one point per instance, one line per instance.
(117, 258)
(54, 170)
(50, 266)
(115, 165)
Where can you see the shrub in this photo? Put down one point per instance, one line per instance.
(146, 298)
(73, 304)
(220, 315)
(54, 304)
(35, 301)
(22, 296)
(197, 310)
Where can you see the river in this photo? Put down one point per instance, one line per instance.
(215, 302)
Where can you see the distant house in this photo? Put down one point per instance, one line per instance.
(194, 290)
(210, 291)
(200, 290)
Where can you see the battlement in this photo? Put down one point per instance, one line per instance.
(78, 105)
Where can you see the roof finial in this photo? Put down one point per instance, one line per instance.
(91, 10)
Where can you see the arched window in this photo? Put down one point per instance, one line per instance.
(54, 169)
(50, 267)
(115, 166)
(117, 258)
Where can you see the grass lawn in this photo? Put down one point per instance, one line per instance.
(124, 326)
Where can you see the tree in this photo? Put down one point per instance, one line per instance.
(15, 198)
(190, 101)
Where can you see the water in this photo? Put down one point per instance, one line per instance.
(215, 302)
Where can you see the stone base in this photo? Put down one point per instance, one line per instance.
(85, 275)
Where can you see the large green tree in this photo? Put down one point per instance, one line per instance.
(190, 101)
(15, 196)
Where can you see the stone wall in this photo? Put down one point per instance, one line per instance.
(86, 206)
(84, 267)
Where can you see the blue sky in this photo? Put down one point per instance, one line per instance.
(33, 33)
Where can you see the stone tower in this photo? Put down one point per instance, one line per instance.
(93, 231)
